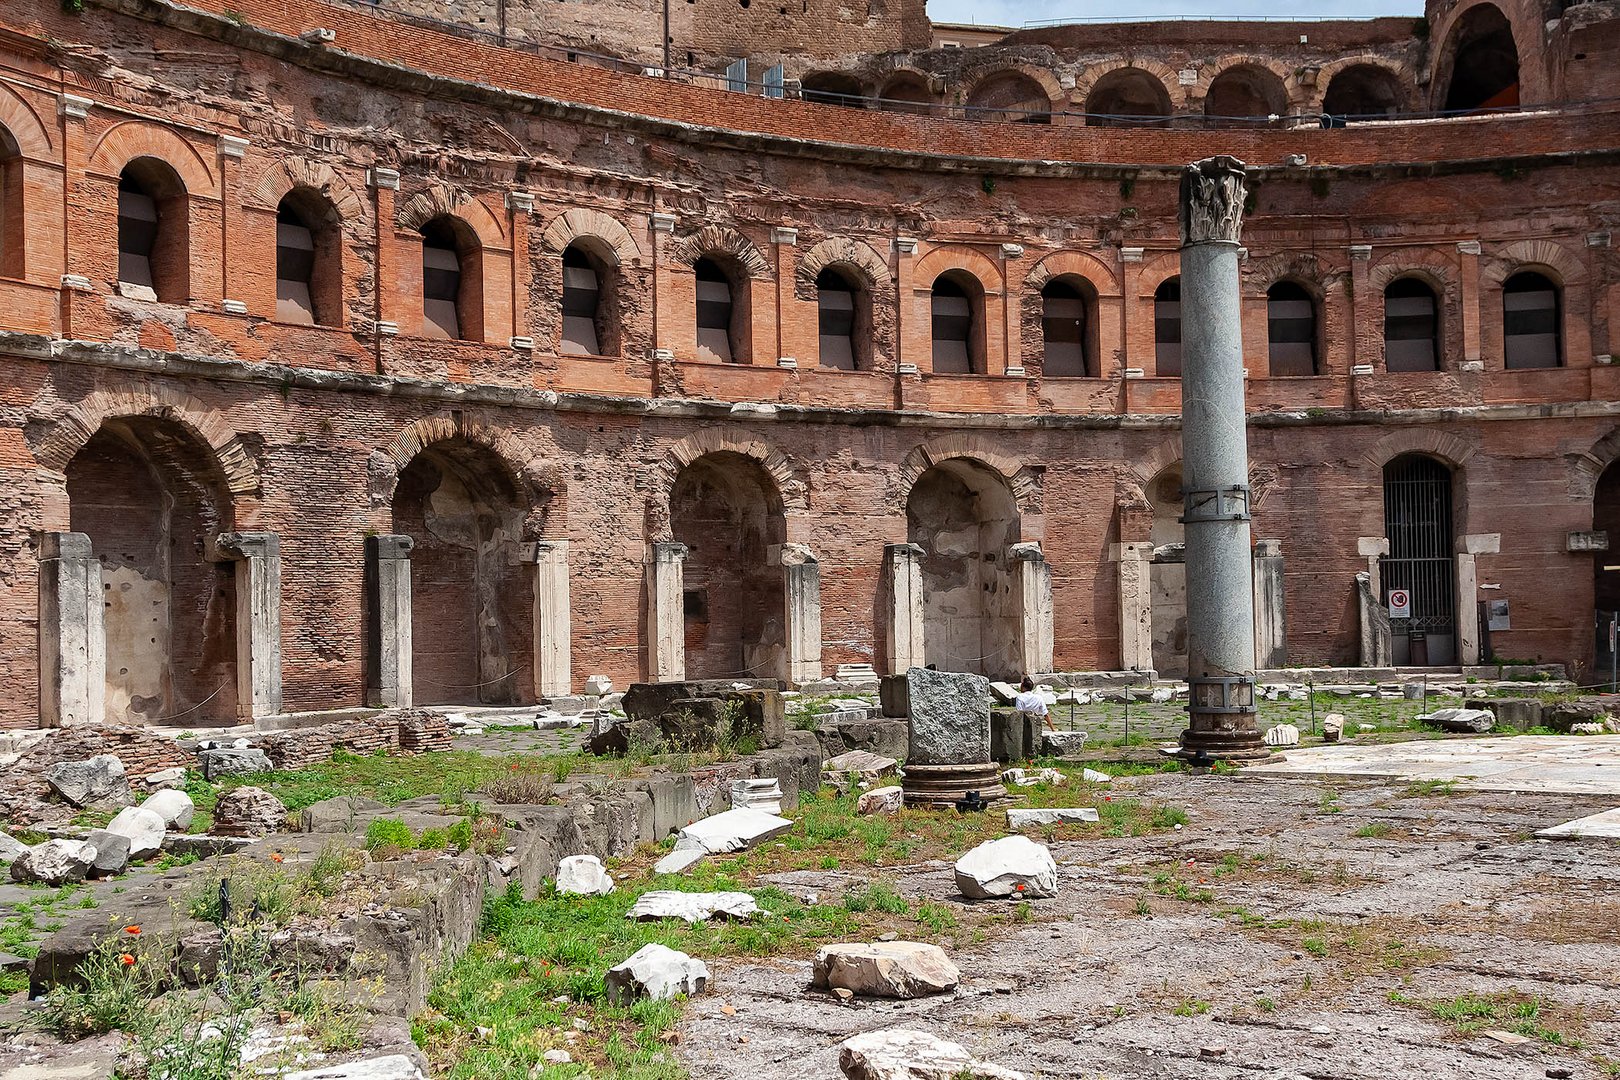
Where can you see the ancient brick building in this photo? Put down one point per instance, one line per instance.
(349, 358)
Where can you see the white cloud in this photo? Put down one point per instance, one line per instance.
(1016, 13)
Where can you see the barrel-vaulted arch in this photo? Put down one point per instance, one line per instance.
(590, 269)
(1137, 90)
(1363, 87)
(306, 215)
(1488, 56)
(720, 279)
(1019, 93)
(542, 485)
(867, 279)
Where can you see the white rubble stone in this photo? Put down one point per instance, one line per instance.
(997, 868)
(1474, 721)
(557, 1057)
(10, 848)
(144, 828)
(889, 969)
(687, 852)
(1162, 694)
(1333, 726)
(174, 807)
(1005, 692)
(598, 685)
(392, 1067)
(736, 830)
(1029, 778)
(55, 862)
(1063, 743)
(167, 778)
(904, 1054)
(658, 972)
(883, 800)
(1282, 735)
(98, 779)
(762, 795)
(863, 763)
(1092, 776)
(583, 875)
(692, 907)
(1057, 815)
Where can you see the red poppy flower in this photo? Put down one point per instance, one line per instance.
(132, 930)
(126, 959)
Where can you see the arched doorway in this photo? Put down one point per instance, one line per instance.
(1606, 582)
(471, 605)
(728, 512)
(963, 516)
(1421, 559)
(1167, 576)
(1484, 62)
(150, 498)
(1128, 97)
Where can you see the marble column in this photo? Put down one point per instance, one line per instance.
(666, 612)
(258, 621)
(801, 588)
(388, 598)
(1032, 583)
(903, 569)
(553, 619)
(1469, 547)
(72, 641)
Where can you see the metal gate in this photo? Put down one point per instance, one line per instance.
(1417, 521)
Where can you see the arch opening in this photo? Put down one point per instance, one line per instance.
(844, 314)
(153, 233)
(1012, 97)
(11, 207)
(1291, 330)
(1362, 92)
(964, 517)
(148, 496)
(1245, 95)
(1605, 581)
(588, 285)
(1531, 322)
(1129, 97)
(957, 309)
(1167, 329)
(906, 92)
(1411, 326)
(452, 282)
(1484, 62)
(725, 508)
(832, 88)
(723, 324)
(471, 601)
(1418, 514)
(1069, 328)
(309, 260)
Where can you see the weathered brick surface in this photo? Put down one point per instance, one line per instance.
(325, 434)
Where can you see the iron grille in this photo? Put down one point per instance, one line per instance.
(1417, 521)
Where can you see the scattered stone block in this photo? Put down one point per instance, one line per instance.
(144, 828)
(886, 969)
(1010, 866)
(174, 807)
(248, 811)
(1064, 743)
(692, 907)
(657, 972)
(1004, 692)
(166, 778)
(686, 853)
(55, 862)
(1014, 735)
(950, 718)
(762, 795)
(1092, 776)
(1586, 729)
(894, 699)
(598, 686)
(1031, 777)
(10, 848)
(583, 875)
(112, 853)
(1282, 735)
(233, 761)
(1520, 713)
(98, 780)
(866, 765)
(855, 673)
(1023, 819)
(1333, 726)
(903, 1054)
(344, 814)
(736, 830)
(392, 1067)
(1466, 721)
(883, 800)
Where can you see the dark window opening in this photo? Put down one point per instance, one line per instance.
(1531, 326)
(1291, 329)
(1167, 330)
(1411, 327)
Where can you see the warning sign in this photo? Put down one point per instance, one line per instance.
(1400, 604)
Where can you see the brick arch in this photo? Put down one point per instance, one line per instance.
(32, 137)
(841, 251)
(790, 488)
(954, 257)
(1525, 20)
(1325, 73)
(278, 180)
(1304, 267)
(1024, 481)
(1149, 466)
(131, 139)
(1451, 449)
(1156, 270)
(1041, 77)
(579, 223)
(1541, 255)
(444, 199)
(1130, 485)
(540, 484)
(726, 242)
(1221, 65)
(1432, 266)
(1083, 264)
(1587, 467)
(1097, 72)
(68, 435)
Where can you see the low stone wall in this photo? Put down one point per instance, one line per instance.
(24, 795)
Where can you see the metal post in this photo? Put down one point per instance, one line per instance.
(1614, 654)
(1222, 721)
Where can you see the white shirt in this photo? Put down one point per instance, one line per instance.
(1030, 701)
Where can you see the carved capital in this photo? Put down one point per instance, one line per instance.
(1212, 194)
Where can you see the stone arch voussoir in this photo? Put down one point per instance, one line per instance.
(579, 223)
(541, 486)
(841, 251)
(1451, 449)
(792, 486)
(18, 117)
(726, 242)
(1531, 255)
(441, 199)
(278, 180)
(1025, 481)
(1587, 467)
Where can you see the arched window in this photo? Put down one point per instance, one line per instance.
(722, 322)
(1129, 97)
(1010, 96)
(1411, 326)
(309, 253)
(1484, 62)
(906, 92)
(11, 207)
(1244, 96)
(1167, 329)
(837, 302)
(1291, 329)
(581, 304)
(1065, 329)
(1531, 324)
(1362, 92)
(153, 245)
(956, 325)
(452, 280)
(832, 88)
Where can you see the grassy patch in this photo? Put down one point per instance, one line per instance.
(1430, 788)
(1375, 830)
(1532, 1017)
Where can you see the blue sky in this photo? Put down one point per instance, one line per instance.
(1017, 12)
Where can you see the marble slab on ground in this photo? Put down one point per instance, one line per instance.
(1555, 764)
(1604, 826)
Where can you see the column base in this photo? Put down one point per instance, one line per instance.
(1237, 747)
(943, 786)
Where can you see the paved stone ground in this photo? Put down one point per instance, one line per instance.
(1576, 765)
(1363, 890)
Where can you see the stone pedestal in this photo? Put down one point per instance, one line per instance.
(553, 619)
(1032, 583)
(948, 751)
(72, 642)
(666, 615)
(1270, 607)
(801, 589)
(903, 571)
(388, 634)
(258, 621)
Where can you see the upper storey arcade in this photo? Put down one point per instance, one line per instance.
(365, 201)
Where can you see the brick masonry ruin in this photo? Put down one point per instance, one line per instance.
(947, 431)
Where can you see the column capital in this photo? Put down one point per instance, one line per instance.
(1360, 252)
(1468, 247)
(794, 555)
(383, 178)
(65, 545)
(1212, 195)
(667, 551)
(663, 223)
(784, 235)
(902, 551)
(391, 545)
(250, 545)
(521, 202)
(73, 106)
(1028, 551)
